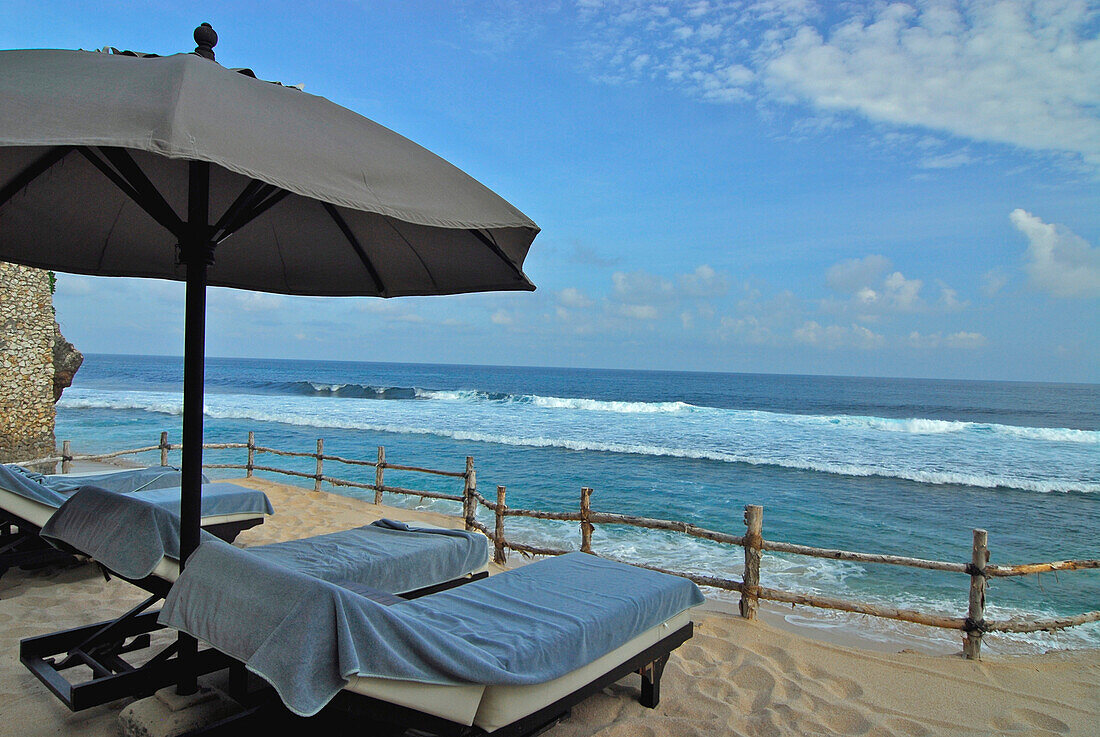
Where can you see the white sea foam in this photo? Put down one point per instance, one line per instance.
(327, 387)
(566, 403)
(1053, 434)
(910, 425)
(916, 426)
(597, 405)
(810, 443)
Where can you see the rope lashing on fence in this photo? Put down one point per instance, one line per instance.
(980, 626)
(973, 570)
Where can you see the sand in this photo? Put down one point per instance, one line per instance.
(734, 677)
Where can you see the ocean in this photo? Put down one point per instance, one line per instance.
(901, 466)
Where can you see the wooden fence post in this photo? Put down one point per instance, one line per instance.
(320, 464)
(975, 613)
(378, 481)
(164, 449)
(251, 465)
(498, 543)
(66, 456)
(469, 486)
(750, 580)
(586, 526)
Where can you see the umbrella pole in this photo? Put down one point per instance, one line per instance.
(196, 252)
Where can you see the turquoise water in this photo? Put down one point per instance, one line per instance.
(878, 465)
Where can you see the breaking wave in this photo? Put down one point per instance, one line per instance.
(754, 438)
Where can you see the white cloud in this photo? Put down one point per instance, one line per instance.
(258, 301)
(837, 336)
(1020, 73)
(1015, 72)
(1059, 261)
(575, 298)
(964, 339)
(749, 329)
(75, 284)
(947, 161)
(502, 317)
(640, 287)
(638, 312)
(949, 298)
(855, 274)
(916, 340)
(902, 294)
(704, 282)
(859, 277)
(993, 281)
(866, 296)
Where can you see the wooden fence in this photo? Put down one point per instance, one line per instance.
(977, 569)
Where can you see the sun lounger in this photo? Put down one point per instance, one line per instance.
(140, 544)
(506, 655)
(28, 500)
(502, 655)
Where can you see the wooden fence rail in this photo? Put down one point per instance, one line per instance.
(978, 569)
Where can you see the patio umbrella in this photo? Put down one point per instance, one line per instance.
(124, 164)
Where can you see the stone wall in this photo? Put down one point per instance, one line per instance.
(26, 364)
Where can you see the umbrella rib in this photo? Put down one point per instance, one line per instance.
(238, 216)
(247, 196)
(38, 166)
(149, 197)
(416, 253)
(342, 224)
(120, 182)
(273, 196)
(492, 246)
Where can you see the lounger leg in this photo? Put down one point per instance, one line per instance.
(651, 682)
(106, 642)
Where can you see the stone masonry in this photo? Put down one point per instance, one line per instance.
(26, 364)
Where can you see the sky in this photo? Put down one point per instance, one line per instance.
(780, 186)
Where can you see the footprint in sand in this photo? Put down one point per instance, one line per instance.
(907, 727)
(840, 719)
(1040, 720)
(844, 688)
(1027, 721)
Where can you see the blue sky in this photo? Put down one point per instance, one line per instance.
(907, 189)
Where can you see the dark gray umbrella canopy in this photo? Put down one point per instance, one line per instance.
(177, 168)
(362, 210)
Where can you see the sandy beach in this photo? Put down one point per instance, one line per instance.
(733, 678)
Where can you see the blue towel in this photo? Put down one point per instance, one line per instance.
(130, 533)
(307, 637)
(54, 489)
(392, 557)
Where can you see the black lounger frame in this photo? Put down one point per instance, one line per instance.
(264, 707)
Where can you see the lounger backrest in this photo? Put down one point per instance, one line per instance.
(29, 485)
(124, 532)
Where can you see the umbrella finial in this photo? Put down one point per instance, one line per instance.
(207, 39)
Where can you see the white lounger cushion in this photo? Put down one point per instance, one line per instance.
(492, 707)
(34, 512)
